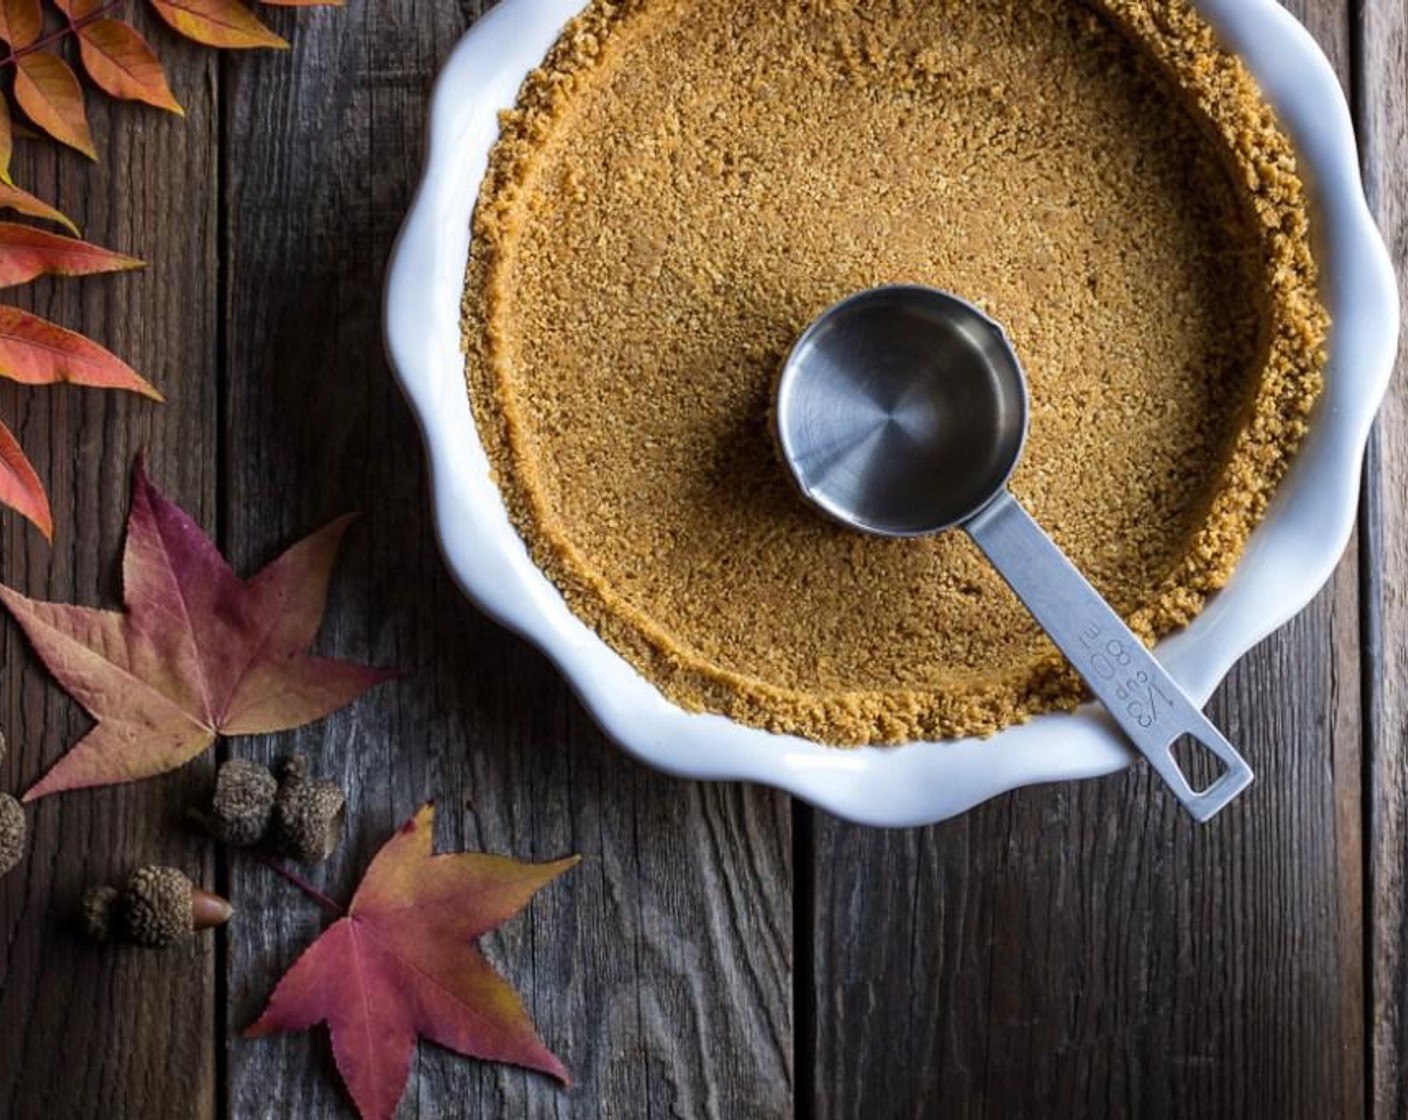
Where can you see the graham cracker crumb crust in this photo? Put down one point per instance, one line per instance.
(682, 187)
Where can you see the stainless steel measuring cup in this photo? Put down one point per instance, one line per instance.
(902, 411)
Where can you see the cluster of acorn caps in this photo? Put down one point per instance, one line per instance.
(284, 812)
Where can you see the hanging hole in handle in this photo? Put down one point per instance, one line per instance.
(1201, 768)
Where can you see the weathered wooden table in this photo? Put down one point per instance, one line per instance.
(1079, 950)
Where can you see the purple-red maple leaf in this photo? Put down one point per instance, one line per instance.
(400, 965)
(199, 653)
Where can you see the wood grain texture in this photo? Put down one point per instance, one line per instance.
(1087, 951)
(1062, 952)
(1382, 111)
(89, 1031)
(659, 969)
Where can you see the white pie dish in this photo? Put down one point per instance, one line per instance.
(1289, 557)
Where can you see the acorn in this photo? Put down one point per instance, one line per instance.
(155, 907)
(12, 832)
(308, 816)
(244, 798)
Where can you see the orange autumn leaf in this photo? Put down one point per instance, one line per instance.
(217, 23)
(50, 95)
(7, 143)
(34, 351)
(401, 964)
(26, 252)
(198, 653)
(20, 22)
(20, 488)
(119, 60)
(11, 196)
(21, 201)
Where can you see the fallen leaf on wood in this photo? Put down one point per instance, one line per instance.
(21, 201)
(26, 252)
(20, 488)
(122, 64)
(400, 964)
(21, 21)
(7, 142)
(34, 351)
(217, 23)
(199, 653)
(50, 95)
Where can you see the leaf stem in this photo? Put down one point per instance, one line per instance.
(325, 901)
(71, 27)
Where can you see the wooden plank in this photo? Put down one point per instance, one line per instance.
(1085, 950)
(660, 968)
(92, 1031)
(1381, 33)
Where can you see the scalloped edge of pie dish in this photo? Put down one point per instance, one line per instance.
(1289, 557)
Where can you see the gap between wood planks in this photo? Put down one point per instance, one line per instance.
(1379, 73)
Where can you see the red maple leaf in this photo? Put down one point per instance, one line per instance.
(400, 965)
(199, 653)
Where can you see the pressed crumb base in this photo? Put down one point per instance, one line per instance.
(683, 186)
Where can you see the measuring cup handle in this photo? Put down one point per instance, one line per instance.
(1143, 699)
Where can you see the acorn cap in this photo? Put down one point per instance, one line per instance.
(99, 912)
(156, 907)
(12, 832)
(244, 797)
(308, 815)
